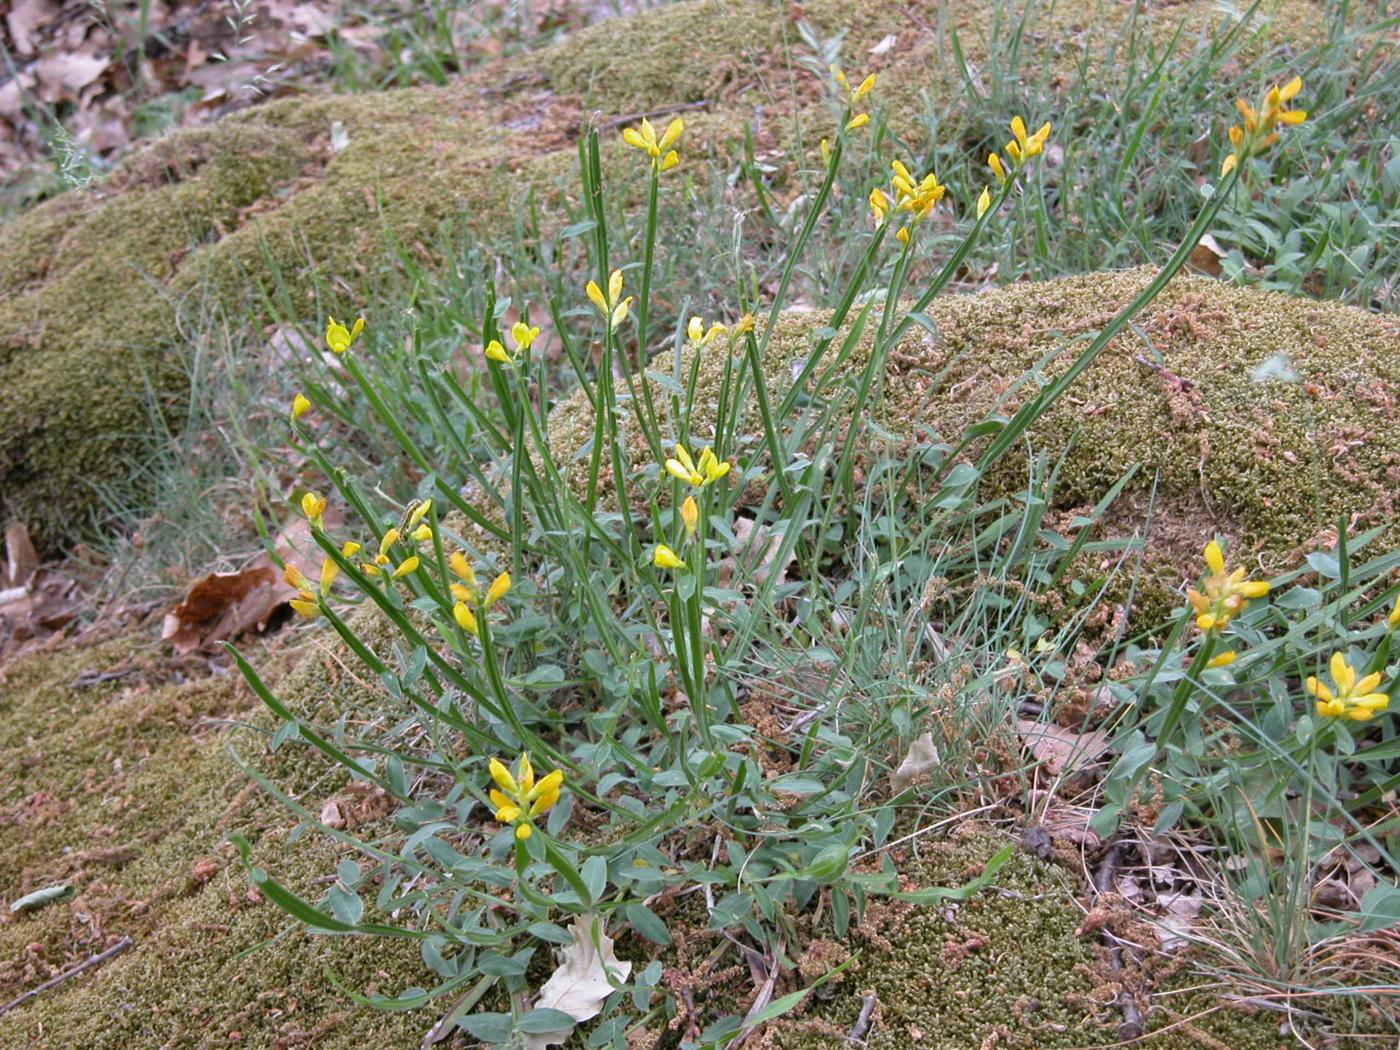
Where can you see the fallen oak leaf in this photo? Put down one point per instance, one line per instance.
(580, 984)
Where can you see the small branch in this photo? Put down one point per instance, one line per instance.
(664, 111)
(53, 982)
(1131, 1026)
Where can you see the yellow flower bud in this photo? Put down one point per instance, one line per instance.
(464, 617)
(690, 515)
(300, 406)
(499, 588)
(665, 558)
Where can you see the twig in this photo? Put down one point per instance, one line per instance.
(862, 1025)
(116, 949)
(1131, 1026)
(765, 995)
(663, 111)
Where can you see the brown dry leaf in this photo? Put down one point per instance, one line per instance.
(1061, 750)
(66, 73)
(1180, 911)
(21, 561)
(24, 18)
(224, 604)
(1206, 256)
(922, 758)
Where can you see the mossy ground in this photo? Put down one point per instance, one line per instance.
(102, 290)
(125, 791)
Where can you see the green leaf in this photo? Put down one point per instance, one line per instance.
(488, 1027)
(538, 1022)
(39, 898)
(648, 924)
(1380, 907)
(936, 894)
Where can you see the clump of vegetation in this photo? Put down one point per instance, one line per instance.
(667, 689)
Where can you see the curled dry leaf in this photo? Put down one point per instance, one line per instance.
(580, 984)
(1061, 750)
(922, 758)
(223, 605)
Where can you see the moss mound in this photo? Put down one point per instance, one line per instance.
(102, 289)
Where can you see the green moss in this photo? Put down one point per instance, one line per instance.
(124, 791)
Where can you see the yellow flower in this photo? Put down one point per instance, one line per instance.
(994, 162)
(329, 571)
(858, 121)
(1023, 147)
(984, 201)
(422, 534)
(709, 470)
(313, 506)
(408, 565)
(825, 148)
(465, 618)
(690, 515)
(500, 586)
(879, 206)
(1258, 129)
(665, 558)
(389, 539)
(857, 93)
(1393, 620)
(519, 799)
(663, 158)
(462, 569)
(339, 338)
(902, 235)
(611, 306)
(305, 604)
(697, 333)
(915, 196)
(745, 325)
(1357, 700)
(1225, 594)
(496, 352)
(418, 510)
(1224, 659)
(300, 406)
(349, 549)
(295, 577)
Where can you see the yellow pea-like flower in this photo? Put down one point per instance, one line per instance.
(519, 799)
(665, 558)
(329, 571)
(300, 406)
(499, 588)
(612, 306)
(858, 121)
(994, 162)
(496, 352)
(1224, 593)
(465, 618)
(408, 565)
(422, 534)
(522, 335)
(658, 148)
(313, 506)
(879, 206)
(690, 515)
(1224, 659)
(339, 338)
(389, 538)
(305, 604)
(984, 201)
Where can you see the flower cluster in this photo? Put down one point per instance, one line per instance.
(1224, 595)
(912, 195)
(306, 603)
(1022, 147)
(522, 336)
(855, 95)
(1352, 699)
(467, 593)
(707, 471)
(612, 306)
(519, 799)
(663, 157)
(1258, 129)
